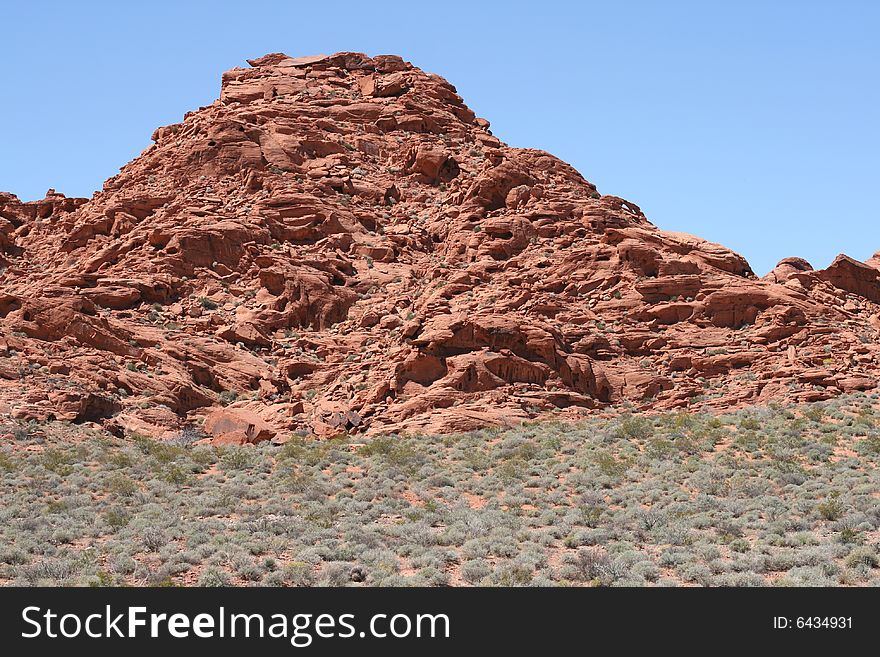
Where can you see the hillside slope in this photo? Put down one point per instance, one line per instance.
(339, 244)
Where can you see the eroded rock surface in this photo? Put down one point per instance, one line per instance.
(339, 244)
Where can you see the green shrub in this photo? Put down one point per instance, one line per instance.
(395, 451)
(236, 458)
(121, 485)
(609, 465)
(7, 462)
(60, 461)
(863, 556)
(298, 573)
(116, 518)
(832, 508)
(635, 427)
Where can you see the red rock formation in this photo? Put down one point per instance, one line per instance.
(339, 244)
(853, 276)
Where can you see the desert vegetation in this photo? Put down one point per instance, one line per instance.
(765, 496)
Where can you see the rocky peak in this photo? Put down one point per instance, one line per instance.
(338, 243)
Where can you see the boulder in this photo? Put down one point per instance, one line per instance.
(236, 426)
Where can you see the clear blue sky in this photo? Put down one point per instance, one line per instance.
(753, 124)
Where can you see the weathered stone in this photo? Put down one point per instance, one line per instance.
(340, 245)
(240, 423)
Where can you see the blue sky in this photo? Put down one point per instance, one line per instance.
(753, 124)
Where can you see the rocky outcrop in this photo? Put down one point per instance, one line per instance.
(789, 268)
(339, 244)
(853, 276)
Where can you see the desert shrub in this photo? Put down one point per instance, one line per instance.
(120, 484)
(8, 463)
(634, 427)
(609, 465)
(49, 571)
(741, 579)
(512, 574)
(475, 548)
(298, 573)
(832, 508)
(247, 569)
(122, 564)
(591, 509)
(60, 461)
(646, 570)
(475, 570)
(863, 556)
(213, 577)
(805, 576)
(431, 576)
(13, 556)
(175, 474)
(335, 574)
(396, 452)
(594, 565)
(153, 539)
(236, 458)
(116, 518)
